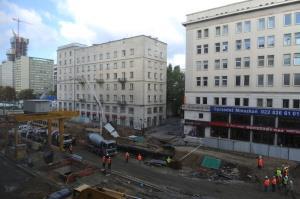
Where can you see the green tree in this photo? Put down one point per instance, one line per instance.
(175, 90)
(7, 94)
(26, 94)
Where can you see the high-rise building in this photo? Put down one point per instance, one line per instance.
(127, 75)
(7, 74)
(54, 87)
(243, 75)
(33, 73)
(18, 47)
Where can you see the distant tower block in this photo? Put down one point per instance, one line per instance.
(18, 47)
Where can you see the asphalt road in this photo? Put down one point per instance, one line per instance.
(166, 177)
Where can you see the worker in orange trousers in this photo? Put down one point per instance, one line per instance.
(260, 162)
(266, 184)
(139, 157)
(126, 157)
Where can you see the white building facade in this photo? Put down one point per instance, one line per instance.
(243, 73)
(127, 75)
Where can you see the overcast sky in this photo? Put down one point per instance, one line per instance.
(52, 23)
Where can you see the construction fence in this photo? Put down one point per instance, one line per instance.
(255, 148)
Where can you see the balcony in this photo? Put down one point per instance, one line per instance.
(81, 100)
(196, 107)
(122, 80)
(99, 81)
(122, 102)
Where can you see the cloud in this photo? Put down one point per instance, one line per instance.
(177, 59)
(99, 21)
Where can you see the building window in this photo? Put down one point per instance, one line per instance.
(199, 49)
(205, 47)
(286, 79)
(238, 80)
(218, 31)
(297, 38)
(197, 100)
(131, 51)
(247, 44)
(217, 64)
(200, 115)
(225, 29)
(217, 81)
(271, 22)
(238, 44)
(247, 26)
(238, 62)
(259, 102)
(261, 42)
(224, 101)
(206, 32)
(204, 100)
(287, 39)
(246, 62)
(124, 52)
(270, 103)
(205, 64)
(239, 27)
(224, 63)
(260, 80)
(297, 59)
(261, 24)
(198, 81)
(218, 47)
(297, 79)
(205, 81)
(297, 18)
(245, 101)
(287, 19)
(287, 59)
(261, 61)
(216, 101)
(270, 60)
(285, 103)
(224, 80)
(270, 79)
(271, 41)
(246, 80)
(237, 101)
(296, 103)
(198, 65)
(199, 34)
(225, 46)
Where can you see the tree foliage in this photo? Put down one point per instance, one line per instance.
(7, 94)
(26, 94)
(175, 89)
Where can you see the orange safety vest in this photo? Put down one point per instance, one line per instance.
(109, 160)
(260, 162)
(267, 182)
(103, 159)
(274, 181)
(139, 157)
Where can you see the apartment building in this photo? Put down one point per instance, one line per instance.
(243, 73)
(54, 86)
(127, 75)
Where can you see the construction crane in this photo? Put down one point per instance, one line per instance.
(19, 21)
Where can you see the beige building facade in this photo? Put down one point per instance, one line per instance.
(127, 75)
(243, 72)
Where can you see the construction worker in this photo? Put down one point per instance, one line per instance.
(266, 184)
(285, 171)
(260, 162)
(274, 182)
(103, 161)
(109, 163)
(291, 189)
(168, 160)
(71, 149)
(285, 181)
(126, 157)
(139, 158)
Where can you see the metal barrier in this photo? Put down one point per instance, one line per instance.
(255, 148)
